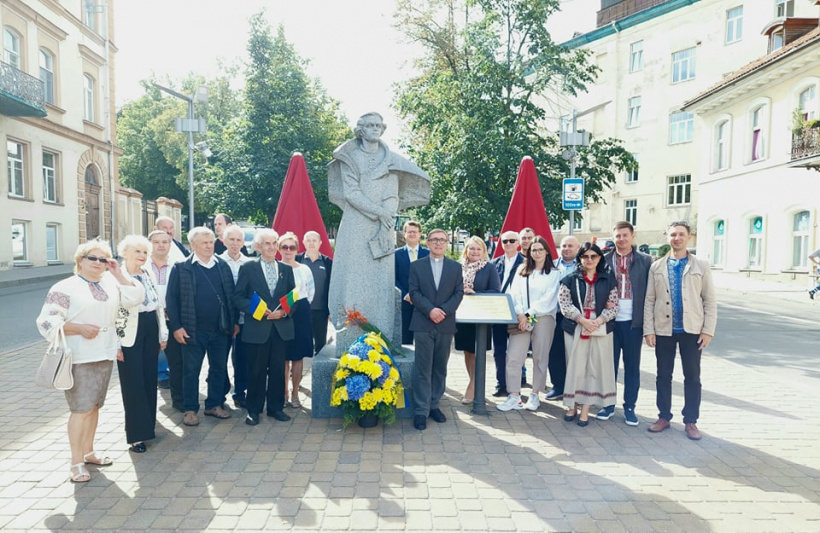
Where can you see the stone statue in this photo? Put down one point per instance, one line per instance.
(371, 184)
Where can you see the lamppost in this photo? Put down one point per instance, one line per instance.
(189, 125)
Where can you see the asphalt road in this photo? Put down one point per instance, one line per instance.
(19, 307)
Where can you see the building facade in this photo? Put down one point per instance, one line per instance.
(653, 56)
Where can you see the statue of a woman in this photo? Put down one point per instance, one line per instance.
(371, 184)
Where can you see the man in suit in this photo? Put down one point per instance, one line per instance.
(221, 223)
(266, 337)
(436, 289)
(506, 265)
(321, 266)
(405, 255)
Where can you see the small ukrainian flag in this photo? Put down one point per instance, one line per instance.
(258, 307)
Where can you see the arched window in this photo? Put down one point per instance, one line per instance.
(807, 102)
(722, 145)
(719, 238)
(91, 175)
(758, 133)
(755, 242)
(800, 239)
(11, 48)
(47, 74)
(88, 98)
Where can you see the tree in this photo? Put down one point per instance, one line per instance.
(473, 110)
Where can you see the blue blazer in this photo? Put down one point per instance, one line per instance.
(402, 261)
(506, 277)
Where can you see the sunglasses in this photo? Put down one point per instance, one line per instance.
(92, 258)
(509, 241)
(289, 247)
(590, 257)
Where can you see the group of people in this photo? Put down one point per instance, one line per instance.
(578, 316)
(162, 310)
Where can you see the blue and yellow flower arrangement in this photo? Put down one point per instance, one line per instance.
(367, 381)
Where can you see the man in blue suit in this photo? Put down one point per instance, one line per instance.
(506, 265)
(403, 257)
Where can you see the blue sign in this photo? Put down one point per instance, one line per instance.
(573, 194)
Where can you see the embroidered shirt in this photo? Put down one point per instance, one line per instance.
(675, 268)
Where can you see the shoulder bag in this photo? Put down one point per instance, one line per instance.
(225, 321)
(55, 368)
(513, 329)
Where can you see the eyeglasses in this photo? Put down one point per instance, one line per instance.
(436, 240)
(509, 241)
(92, 258)
(289, 247)
(590, 257)
(537, 250)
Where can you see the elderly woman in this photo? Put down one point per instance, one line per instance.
(589, 299)
(479, 276)
(85, 307)
(143, 334)
(302, 344)
(535, 296)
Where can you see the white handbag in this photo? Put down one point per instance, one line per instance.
(55, 368)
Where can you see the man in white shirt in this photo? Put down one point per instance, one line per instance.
(234, 239)
(506, 265)
(177, 252)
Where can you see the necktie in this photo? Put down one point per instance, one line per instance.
(412, 254)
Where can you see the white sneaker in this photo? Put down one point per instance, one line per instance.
(533, 403)
(512, 402)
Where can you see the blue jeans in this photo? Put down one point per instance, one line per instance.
(162, 367)
(628, 340)
(216, 345)
(690, 361)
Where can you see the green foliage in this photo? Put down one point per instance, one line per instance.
(473, 112)
(664, 249)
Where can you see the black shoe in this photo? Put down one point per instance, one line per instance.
(240, 403)
(554, 395)
(420, 422)
(252, 419)
(438, 416)
(138, 447)
(524, 381)
(279, 415)
(164, 384)
(500, 393)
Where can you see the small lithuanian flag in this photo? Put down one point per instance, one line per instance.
(287, 301)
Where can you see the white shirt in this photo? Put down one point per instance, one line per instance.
(209, 264)
(234, 263)
(543, 289)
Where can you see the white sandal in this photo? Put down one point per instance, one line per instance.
(81, 473)
(105, 461)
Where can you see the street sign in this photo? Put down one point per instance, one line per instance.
(573, 195)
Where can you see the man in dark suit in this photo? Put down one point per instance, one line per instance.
(221, 223)
(405, 255)
(436, 289)
(506, 265)
(266, 338)
(321, 266)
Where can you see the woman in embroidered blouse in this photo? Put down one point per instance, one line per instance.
(302, 344)
(479, 276)
(143, 334)
(535, 296)
(589, 299)
(85, 306)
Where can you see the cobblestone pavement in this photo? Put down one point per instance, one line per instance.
(757, 468)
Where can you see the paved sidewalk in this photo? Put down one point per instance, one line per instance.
(757, 468)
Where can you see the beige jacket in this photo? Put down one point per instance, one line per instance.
(699, 304)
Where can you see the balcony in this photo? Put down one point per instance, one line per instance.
(21, 95)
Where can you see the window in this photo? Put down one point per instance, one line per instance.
(631, 211)
(16, 169)
(47, 75)
(88, 98)
(636, 56)
(719, 251)
(783, 8)
(722, 146)
(680, 188)
(90, 14)
(634, 112)
(50, 177)
(755, 242)
(632, 174)
(758, 134)
(800, 240)
(808, 102)
(19, 241)
(683, 65)
(776, 41)
(734, 24)
(52, 249)
(681, 127)
(11, 47)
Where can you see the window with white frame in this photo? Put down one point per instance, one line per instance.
(631, 211)
(11, 48)
(634, 109)
(16, 168)
(722, 146)
(683, 65)
(90, 14)
(734, 24)
(719, 243)
(776, 40)
(783, 8)
(636, 56)
(50, 184)
(19, 240)
(681, 127)
(47, 75)
(759, 133)
(800, 240)
(632, 173)
(52, 248)
(807, 101)
(679, 189)
(88, 98)
(755, 242)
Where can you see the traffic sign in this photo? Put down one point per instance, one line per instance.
(573, 194)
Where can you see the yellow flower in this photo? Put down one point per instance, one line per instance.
(349, 361)
(388, 384)
(370, 369)
(340, 374)
(394, 374)
(336, 399)
(373, 355)
(367, 402)
(343, 394)
(372, 340)
(378, 395)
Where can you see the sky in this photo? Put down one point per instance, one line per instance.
(351, 45)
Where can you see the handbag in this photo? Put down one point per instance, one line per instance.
(600, 331)
(513, 329)
(55, 368)
(225, 320)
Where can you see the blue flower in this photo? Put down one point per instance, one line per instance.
(385, 372)
(359, 349)
(356, 386)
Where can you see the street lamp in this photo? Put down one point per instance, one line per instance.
(189, 125)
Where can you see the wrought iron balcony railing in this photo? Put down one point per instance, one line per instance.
(805, 143)
(20, 94)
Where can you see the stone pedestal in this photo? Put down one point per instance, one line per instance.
(324, 365)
